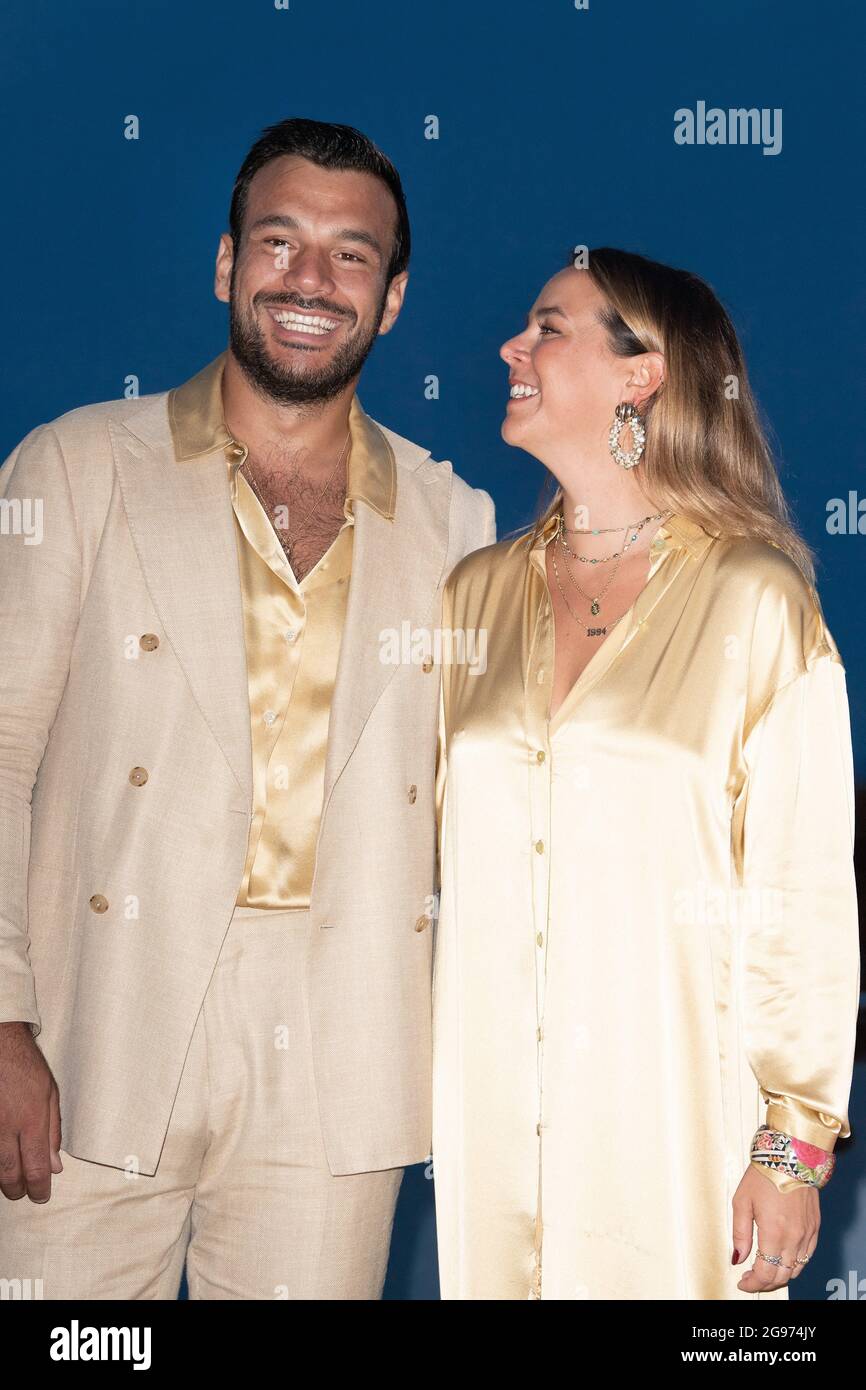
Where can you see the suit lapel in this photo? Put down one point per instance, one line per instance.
(183, 529)
(396, 568)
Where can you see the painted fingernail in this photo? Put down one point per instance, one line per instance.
(736, 1258)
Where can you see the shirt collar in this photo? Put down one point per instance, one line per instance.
(195, 414)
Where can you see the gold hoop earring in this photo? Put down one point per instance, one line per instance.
(627, 414)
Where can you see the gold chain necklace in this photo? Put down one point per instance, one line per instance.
(559, 538)
(602, 559)
(594, 603)
(607, 530)
(590, 631)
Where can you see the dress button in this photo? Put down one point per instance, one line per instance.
(413, 792)
(99, 903)
(539, 845)
(540, 755)
(291, 635)
(138, 776)
(539, 939)
(422, 923)
(427, 664)
(269, 716)
(148, 642)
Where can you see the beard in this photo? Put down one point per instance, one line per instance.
(286, 382)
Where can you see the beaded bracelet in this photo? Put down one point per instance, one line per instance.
(792, 1157)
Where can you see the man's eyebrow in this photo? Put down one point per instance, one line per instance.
(356, 234)
(548, 309)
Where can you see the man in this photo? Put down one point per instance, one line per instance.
(215, 922)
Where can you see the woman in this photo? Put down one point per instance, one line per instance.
(647, 942)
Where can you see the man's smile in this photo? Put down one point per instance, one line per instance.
(293, 322)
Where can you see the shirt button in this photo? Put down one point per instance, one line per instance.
(269, 716)
(99, 903)
(539, 940)
(291, 635)
(538, 1128)
(539, 845)
(422, 923)
(236, 451)
(413, 793)
(540, 755)
(148, 642)
(138, 776)
(427, 665)
(540, 677)
(538, 1035)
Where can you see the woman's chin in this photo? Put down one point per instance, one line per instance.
(514, 432)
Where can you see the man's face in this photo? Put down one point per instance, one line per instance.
(307, 290)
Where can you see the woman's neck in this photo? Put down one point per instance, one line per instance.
(617, 503)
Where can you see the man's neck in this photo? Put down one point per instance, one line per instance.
(306, 434)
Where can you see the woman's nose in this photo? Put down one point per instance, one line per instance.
(511, 350)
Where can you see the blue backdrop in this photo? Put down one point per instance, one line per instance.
(556, 128)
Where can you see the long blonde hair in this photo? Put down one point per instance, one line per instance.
(706, 454)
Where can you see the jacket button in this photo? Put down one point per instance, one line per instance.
(427, 664)
(422, 923)
(99, 903)
(413, 792)
(149, 642)
(138, 776)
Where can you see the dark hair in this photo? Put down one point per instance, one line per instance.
(331, 147)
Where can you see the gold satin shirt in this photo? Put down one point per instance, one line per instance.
(292, 635)
(647, 942)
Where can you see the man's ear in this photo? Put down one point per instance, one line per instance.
(223, 268)
(394, 301)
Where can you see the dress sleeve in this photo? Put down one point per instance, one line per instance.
(799, 943)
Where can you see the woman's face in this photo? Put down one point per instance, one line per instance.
(575, 381)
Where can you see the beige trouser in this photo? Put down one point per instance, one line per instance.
(243, 1191)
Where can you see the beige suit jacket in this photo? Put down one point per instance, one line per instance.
(116, 892)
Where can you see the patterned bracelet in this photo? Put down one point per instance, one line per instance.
(793, 1157)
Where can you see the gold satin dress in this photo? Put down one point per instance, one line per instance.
(647, 939)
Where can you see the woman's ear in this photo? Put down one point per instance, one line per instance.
(646, 376)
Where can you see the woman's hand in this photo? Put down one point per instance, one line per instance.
(787, 1222)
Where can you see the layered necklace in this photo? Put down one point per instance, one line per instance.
(630, 534)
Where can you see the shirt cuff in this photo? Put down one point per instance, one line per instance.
(802, 1122)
